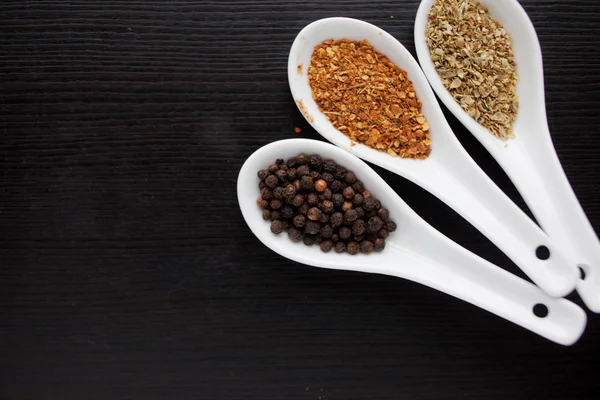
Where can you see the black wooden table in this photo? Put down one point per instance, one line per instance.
(127, 271)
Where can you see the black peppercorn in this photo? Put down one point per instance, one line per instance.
(337, 186)
(358, 238)
(271, 181)
(340, 172)
(329, 166)
(379, 244)
(337, 219)
(327, 177)
(337, 200)
(275, 204)
(301, 159)
(278, 192)
(262, 174)
(312, 199)
(384, 214)
(369, 204)
(266, 215)
(358, 227)
(261, 184)
(315, 162)
(298, 200)
(281, 175)
(279, 161)
(350, 216)
(350, 178)
(347, 205)
(366, 247)
(345, 232)
(326, 246)
(283, 167)
(326, 206)
(277, 227)
(287, 212)
(358, 187)
(353, 248)
(327, 231)
(327, 194)
(291, 162)
(294, 234)
(391, 226)
(339, 247)
(315, 175)
(262, 203)
(383, 233)
(289, 192)
(309, 240)
(302, 171)
(348, 193)
(314, 214)
(291, 174)
(312, 227)
(275, 214)
(324, 218)
(273, 168)
(335, 238)
(303, 209)
(366, 194)
(357, 200)
(360, 211)
(320, 185)
(307, 183)
(299, 221)
(375, 224)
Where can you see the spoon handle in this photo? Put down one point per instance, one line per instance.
(462, 185)
(439, 263)
(540, 179)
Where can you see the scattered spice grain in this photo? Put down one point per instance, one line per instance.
(472, 53)
(368, 98)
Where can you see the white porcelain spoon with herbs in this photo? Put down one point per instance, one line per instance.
(466, 63)
(415, 251)
(448, 172)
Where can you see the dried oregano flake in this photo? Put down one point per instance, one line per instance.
(473, 56)
(368, 98)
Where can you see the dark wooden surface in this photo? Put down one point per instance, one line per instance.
(126, 269)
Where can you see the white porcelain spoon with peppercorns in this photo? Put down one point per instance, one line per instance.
(449, 172)
(414, 251)
(529, 159)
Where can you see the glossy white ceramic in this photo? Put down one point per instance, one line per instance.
(449, 172)
(529, 159)
(416, 251)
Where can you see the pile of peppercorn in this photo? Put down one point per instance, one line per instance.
(319, 201)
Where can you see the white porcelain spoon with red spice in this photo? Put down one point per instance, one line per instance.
(449, 172)
(529, 159)
(415, 251)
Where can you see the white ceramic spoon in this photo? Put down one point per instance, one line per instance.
(449, 172)
(529, 159)
(415, 251)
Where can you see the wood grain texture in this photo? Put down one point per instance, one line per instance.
(127, 270)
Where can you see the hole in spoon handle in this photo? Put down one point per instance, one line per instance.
(474, 195)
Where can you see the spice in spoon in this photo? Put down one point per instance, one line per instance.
(472, 54)
(368, 98)
(320, 202)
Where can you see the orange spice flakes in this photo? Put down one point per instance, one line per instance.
(368, 98)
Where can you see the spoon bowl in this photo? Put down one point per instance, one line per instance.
(449, 172)
(415, 251)
(529, 159)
